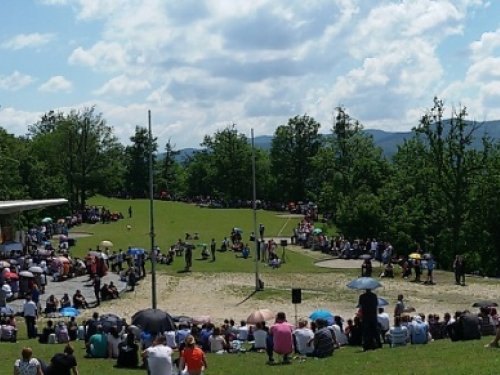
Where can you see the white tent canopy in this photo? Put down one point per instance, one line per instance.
(9, 207)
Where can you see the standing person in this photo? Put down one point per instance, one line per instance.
(384, 321)
(142, 258)
(462, 270)
(97, 289)
(213, 246)
(130, 212)
(369, 324)
(400, 306)
(430, 271)
(27, 365)
(261, 231)
(457, 269)
(30, 314)
(188, 257)
(63, 363)
(282, 334)
(418, 269)
(131, 278)
(192, 358)
(159, 357)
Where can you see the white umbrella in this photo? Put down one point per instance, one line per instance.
(99, 254)
(201, 319)
(106, 243)
(26, 274)
(36, 269)
(258, 316)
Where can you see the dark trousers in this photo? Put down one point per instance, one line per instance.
(213, 254)
(30, 326)
(371, 335)
(457, 277)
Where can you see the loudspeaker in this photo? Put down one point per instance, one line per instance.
(296, 296)
(284, 243)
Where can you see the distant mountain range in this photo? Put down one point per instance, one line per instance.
(388, 141)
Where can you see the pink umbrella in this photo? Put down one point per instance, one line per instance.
(204, 319)
(11, 275)
(262, 315)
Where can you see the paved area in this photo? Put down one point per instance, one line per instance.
(343, 263)
(70, 286)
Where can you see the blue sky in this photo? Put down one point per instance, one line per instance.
(202, 64)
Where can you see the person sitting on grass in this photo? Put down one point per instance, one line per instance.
(63, 363)
(51, 304)
(216, 341)
(46, 332)
(65, 301)
(259, 335)
(79, 301)
(97, 347)
(324, 340)
(8, 332)
(282, 339)
(397, 335)
(27, 365)
(128, 353)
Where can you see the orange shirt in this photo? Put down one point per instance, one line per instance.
(193, 358)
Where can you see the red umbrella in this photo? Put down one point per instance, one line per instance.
(11, 275)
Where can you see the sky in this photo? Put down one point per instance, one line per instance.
(200, 65)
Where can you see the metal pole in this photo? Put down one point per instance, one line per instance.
(254, 204)
(152, 254)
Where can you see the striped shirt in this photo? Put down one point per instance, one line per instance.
(399, 336)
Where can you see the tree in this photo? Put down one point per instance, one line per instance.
(293, 149)
(137, 163)
(170, 170)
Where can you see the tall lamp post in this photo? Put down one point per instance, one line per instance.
(152, 254)
(254, 205)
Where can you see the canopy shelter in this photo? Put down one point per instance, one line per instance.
(9, 207)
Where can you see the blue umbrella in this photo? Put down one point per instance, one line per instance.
(321, 314)
(317, 231)
(6, 311)
(135, 251)
(381, 303)
(69, 311)
(238, 230)
(364, 283)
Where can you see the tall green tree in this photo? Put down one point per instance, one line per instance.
(293, 149)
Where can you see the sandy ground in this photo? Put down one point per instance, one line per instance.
(228, 295)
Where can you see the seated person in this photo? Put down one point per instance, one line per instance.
(398, 334)
(62, 333)
(487, 328)
(205, 254)
(128, 353)
(113, 290)
(65, 301)
(72, 329)
(366, 268)
(46, 332)
(8, 332)
(388, 271)
(245, 253)
(97, 347)
(104, 291)
(79, 301)
(51, 305)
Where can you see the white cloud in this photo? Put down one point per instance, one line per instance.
(122, 85)
(21, 41)
(16, 121)
(107, 56)
(15, 81)
(56, 84)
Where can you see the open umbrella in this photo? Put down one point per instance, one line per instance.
(106, 243)
(204, 319)
(259, 316)
(365, 256)
(61, 221)
(47, 220)
(182, 319)
(69, 311)
(99, 254)
(317, 230)
(4, 264)
(11, 275)
(135, 251)
(325, 314)
(111, 320)
(13, 262)
(415, 256)
(380, 303)
(63, 259)
(6, 310)
(485, 304)
(26, 274)
(362, 283)
(36, 269)
(153, 321)
(409, 309)
(63, 238)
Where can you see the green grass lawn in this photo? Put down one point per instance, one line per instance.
(174, 219)
(438, 357)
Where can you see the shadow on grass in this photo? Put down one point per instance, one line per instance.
(247, 298)
(184, 271)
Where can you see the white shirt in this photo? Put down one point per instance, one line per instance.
(7, 289)
(242, 333)
(29, 309)
(383, 319)
(260, 337)
(341, 337)
(170, 338)
(303, 336)
(160, 360)
(27, 368)
(113, 342)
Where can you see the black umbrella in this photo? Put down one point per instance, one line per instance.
(111, 320)
(485, 304)
(153, 321)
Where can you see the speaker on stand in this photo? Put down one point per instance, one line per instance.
(296, 299)
(284, 244)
